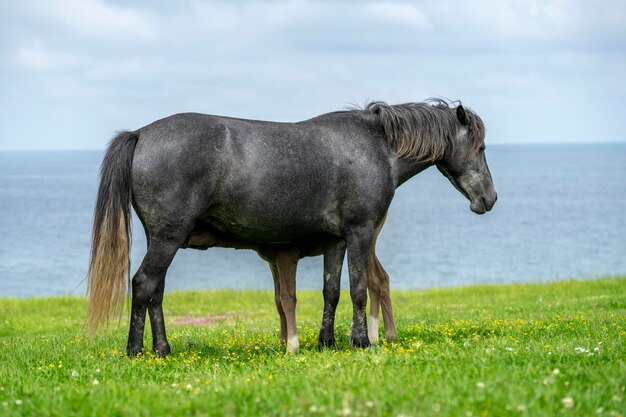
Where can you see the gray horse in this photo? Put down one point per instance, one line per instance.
(326, 182)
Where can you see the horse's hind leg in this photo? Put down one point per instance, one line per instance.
(287, 263)
(148, 285)
(277, 301)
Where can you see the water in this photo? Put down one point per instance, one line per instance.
(561, 213)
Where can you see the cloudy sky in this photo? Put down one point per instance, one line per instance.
(72, 72)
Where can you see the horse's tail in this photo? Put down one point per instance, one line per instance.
(109, 265)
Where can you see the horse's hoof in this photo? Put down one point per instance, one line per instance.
(360, 341)
(391, 337)
(133, 351)
(326, 343)
(326, 338)
(293, 345)
(162, 350)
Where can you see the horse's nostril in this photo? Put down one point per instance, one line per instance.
(487, 204)
(495, 199)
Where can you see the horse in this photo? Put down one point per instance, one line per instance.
(328, 181)
(283, 260)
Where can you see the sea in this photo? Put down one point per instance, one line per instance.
(561, 214)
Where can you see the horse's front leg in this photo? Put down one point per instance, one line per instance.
(333, 262)
(359, 242)
(374, 284)
(148, 285)
(287, 263)
(278, 302)
(378, 288)
(373, 289)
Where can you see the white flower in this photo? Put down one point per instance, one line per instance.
(95, 382)
(313, 409)
(509, 349)
(480, 385)
(556, 371)
(18, 402)
(568, 402)
(74, 373)
(466, 344)
(188, 387)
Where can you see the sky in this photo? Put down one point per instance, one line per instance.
(73, 72)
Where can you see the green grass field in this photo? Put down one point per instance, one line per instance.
(512, 350)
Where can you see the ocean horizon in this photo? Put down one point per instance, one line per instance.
(561, 214)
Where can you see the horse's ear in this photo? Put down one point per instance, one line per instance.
(461, 114)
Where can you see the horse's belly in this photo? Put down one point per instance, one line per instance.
(265, 228)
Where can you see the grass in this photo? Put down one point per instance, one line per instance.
(511, 350)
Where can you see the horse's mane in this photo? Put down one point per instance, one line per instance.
(425, 131)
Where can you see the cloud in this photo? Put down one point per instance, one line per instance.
(35, 57)
(119, 64)
(536, 24)
(398, 13)
(97, 19)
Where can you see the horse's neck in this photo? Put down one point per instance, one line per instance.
(408, 168)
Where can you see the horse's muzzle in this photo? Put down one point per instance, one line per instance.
(482, 205)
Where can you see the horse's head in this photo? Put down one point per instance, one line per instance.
(465, 164)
